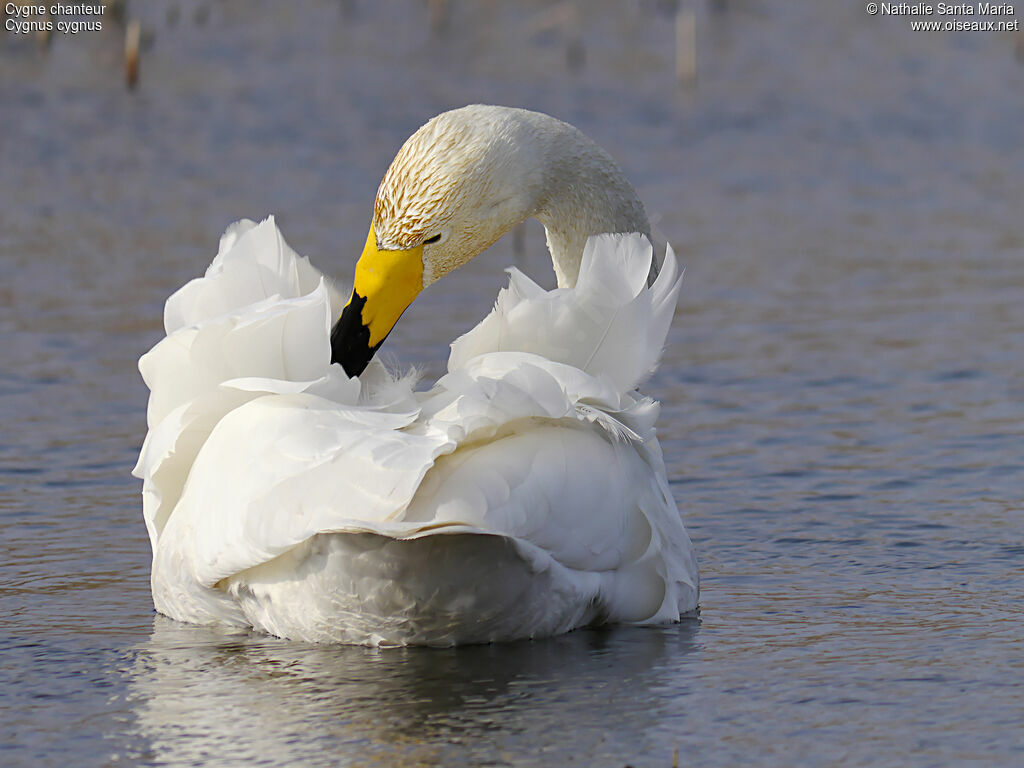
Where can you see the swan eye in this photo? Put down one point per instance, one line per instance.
(436, 238)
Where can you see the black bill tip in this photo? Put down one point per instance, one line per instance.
(350, 339)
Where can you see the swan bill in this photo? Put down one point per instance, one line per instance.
(386, 282)
(350, 339)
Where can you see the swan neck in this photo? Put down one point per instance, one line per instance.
(585, 193)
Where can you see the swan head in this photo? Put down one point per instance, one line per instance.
(456, 186)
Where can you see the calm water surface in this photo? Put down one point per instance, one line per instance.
(843, 389)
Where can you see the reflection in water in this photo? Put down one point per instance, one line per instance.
(204, 694)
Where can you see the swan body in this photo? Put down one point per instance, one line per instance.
(523, 495)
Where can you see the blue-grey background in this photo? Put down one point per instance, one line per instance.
(843, 389)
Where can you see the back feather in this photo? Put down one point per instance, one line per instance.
(610, 325)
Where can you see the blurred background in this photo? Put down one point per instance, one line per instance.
(843, 392)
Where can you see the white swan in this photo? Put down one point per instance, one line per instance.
(523, 495)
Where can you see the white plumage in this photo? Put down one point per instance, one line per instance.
(523, 495)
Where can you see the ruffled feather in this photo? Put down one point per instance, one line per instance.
(523, 495)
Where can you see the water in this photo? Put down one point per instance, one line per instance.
(844, 396)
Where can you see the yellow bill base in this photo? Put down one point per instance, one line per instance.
(388, 281)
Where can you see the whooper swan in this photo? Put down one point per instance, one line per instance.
(523, 495)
